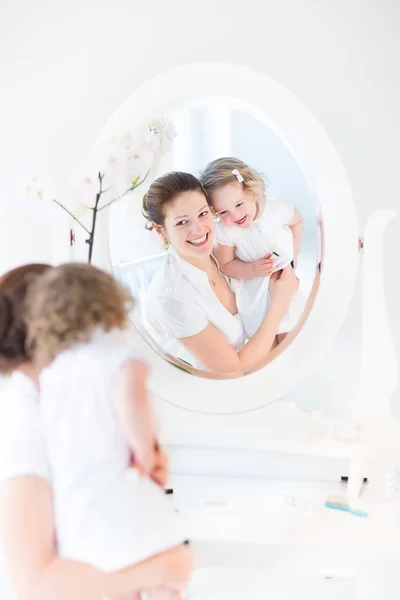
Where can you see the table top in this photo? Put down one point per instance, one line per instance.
(253, 511)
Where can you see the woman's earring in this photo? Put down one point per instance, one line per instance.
(167, 244)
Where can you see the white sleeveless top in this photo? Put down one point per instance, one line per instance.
(106, 514)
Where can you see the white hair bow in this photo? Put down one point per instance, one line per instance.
(238, 176)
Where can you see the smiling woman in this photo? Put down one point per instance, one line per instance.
(194, 311)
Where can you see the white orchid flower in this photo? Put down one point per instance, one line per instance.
(82, 187)
(139, 163)
(39, 188)
(161, 135)
(110, 159)
(84, 182)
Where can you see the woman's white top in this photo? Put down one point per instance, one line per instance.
(106, 514)
(268, 233)
(22, 446)
(181, 302)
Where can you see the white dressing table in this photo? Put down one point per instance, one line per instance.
(247, 538)
(236, 451)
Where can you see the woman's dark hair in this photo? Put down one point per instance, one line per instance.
(163, 191)
(13, 290)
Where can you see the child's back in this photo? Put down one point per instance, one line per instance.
(96, 418)
(106, 513)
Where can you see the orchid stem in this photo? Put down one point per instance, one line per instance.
(71, 215)
(133, 187)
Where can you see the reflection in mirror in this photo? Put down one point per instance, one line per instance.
(223, 254)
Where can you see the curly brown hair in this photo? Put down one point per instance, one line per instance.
(68, 303)
(13, 289)
(218, 174)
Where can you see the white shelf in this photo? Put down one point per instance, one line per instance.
(252, 511)
(280, 427)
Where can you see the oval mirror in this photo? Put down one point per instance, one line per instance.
(279, 206)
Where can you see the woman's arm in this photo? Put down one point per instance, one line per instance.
(236, 268)
(296, 225)
(212, 349)
(26, 527)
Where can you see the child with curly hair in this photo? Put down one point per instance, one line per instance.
(255, 236)
(96, 415)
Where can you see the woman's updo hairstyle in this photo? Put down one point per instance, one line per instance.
(13, 331)
(165, 190)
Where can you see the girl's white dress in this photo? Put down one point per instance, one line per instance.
(106, 514)
(268, 233)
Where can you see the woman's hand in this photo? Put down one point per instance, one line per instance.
(177, 567)
(283, 284)
(173, 569)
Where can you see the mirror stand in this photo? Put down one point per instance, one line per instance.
(379, 430)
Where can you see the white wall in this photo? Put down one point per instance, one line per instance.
(25, 233)
(262, 149)
(65, 67)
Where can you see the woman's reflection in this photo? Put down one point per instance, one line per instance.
(196, 312)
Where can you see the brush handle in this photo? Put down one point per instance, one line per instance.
(344, 508)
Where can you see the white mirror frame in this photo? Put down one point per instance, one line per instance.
(317, 156)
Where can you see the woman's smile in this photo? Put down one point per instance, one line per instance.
(189, 225)
(201, 241)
